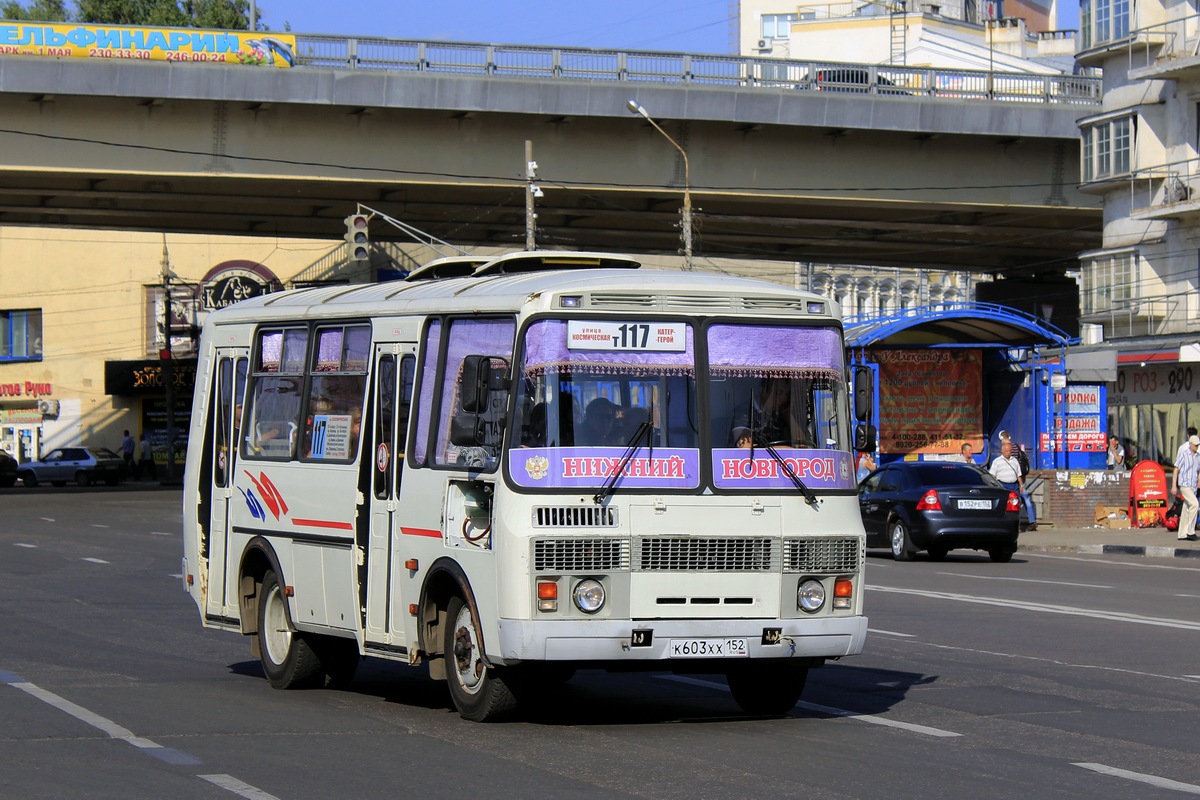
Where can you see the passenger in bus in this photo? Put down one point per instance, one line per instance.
(741, 437)
(598, 424)
(776, 418)
(535, 431)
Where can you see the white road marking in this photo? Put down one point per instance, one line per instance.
(1109, 563)
(1196, 677)
(161, 533)
(98, 525)
(96, 560)
(25, 544)
(83, 715)
(1023, 580)
(1153, 780)
(237, 787)
(835, 712)
(48, 519)
(1047, 608)
(891, 633)
(1188, 595)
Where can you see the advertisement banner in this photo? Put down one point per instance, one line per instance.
(930, 401)
(67, 40)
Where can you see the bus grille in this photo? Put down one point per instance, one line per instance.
(832, 556)
(708, 554)
(580, 555)
(574, 517)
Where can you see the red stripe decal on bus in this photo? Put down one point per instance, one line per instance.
(421, 532)
(323, 523)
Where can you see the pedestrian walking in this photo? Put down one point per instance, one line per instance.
(1183, 483)
(127, 448)
(1006, 468)
(146, 458)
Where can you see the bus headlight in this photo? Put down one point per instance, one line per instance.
(810, 595)
(588, 596)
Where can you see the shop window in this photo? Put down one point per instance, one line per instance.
(21, 335)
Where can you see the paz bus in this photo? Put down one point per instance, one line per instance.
(556, 461)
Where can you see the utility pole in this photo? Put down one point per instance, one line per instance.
(168, 365)
(253, 17)
(532, 191)
(685, 227)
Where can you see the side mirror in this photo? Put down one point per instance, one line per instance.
(864, 437)
(466, 430)
(480, 376)
(473, 384)
(864, 393)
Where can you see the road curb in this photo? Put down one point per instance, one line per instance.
(1127, 550)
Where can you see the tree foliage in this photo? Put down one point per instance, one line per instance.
(220, 14)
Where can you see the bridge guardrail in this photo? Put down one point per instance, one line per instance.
(651, 67)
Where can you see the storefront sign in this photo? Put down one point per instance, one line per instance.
(233, 281)
(147, 44)
(1155, 383)
(1079, 400)
(125, 378)
(26, 389)
(931, 401)
(1077, 441)
(20, 416)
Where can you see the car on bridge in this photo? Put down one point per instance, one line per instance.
(843, 79)
(938, 506)
(84, 465)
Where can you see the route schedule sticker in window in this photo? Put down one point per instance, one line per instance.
(648, 337)
(331, 436)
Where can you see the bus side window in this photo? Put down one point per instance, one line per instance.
(273, 416)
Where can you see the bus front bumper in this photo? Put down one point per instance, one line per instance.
(676, 640)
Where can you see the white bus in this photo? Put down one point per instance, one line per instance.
(558, 462)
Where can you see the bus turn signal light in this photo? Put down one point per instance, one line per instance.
(843, 593)
(547, 592)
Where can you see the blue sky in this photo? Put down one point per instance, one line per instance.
(698, 26)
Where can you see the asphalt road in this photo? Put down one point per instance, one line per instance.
(1051, 676)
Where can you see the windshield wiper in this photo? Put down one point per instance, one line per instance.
(645, 430)
(809, 497)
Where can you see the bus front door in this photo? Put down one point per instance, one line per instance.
(395, 367)
(229, 391)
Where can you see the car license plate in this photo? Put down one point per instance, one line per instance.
(708, 648)
(978, 505)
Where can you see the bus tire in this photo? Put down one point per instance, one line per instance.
(478, 691)
(768, 688)
(287, 659)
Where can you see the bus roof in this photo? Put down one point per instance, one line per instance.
(640, 290)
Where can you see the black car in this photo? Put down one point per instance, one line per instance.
(8, 469)
(938, 506)
(858, 81)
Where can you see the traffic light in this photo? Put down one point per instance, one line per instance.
(356, 236)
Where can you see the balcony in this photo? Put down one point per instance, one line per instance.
(1156, 315)
(1166, 192)
(1168, 51)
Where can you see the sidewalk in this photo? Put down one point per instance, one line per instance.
(1150, 542)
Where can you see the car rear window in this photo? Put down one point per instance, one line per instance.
(948, 475)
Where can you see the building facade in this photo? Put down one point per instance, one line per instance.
(1141, 153)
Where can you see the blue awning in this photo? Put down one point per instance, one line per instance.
(956, 325)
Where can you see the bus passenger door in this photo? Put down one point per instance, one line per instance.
(395, 367)
(225, 416)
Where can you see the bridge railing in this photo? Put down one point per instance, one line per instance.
(650, 67)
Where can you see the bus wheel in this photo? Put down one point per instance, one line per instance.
(478, 693)
(288, 660)
(767, 688)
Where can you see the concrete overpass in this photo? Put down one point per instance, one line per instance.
(934, 174)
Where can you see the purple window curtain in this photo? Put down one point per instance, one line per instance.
(779, 352)
(487, 337)
(546, 351)
(433, 341)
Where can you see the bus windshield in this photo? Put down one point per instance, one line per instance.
(585, 387)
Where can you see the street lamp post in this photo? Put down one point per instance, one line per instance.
(685, 228)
